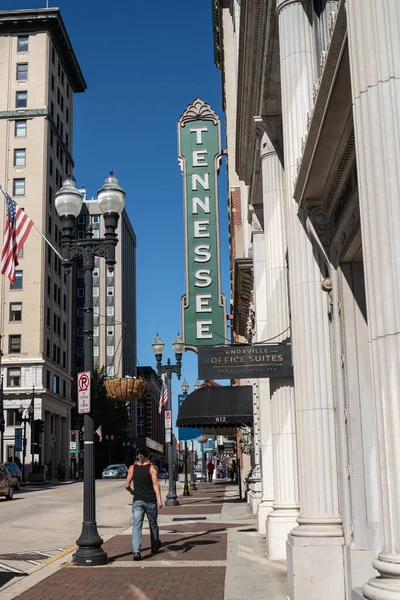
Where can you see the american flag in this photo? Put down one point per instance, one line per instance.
(163, 394)
(99, 432)
(17, 228)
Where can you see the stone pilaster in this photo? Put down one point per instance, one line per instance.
(318, 538)
(374, 48)
(264, 408)
(283, 431)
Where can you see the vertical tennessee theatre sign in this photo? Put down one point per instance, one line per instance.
(203, 305)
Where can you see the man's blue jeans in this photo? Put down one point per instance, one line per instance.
(139, 509)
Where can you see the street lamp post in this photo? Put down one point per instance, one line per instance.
(193, 483)
(26, 415)
(178, 347)
(68, 201)
(185, 389)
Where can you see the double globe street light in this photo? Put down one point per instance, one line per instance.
(178, 347)
(68, 202)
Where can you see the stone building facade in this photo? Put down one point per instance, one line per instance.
(312, 99)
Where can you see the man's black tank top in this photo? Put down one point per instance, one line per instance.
(142, 483)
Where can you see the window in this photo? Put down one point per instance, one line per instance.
(21, 99)
(52, 83)
(21, 253)
(15, 311)
(13, 417)
(51, 166)
(79, 312)
(67, 115)
(140, 409)
(64, 331)
(14, 344)
(81, 220)
(96, 272)
(79, 351)
(79, 332)
(110, 291)
(20, 129)
(22, 71)
(23, 43)
(96, 311)
(67, 90)
(19, 187)
(140, 428)
(53, 55)
(95, 218)
(110, 371)
(56, 384)
(19, 157)
(95, 292)
(64, 362)
(110, 350)
(95, 331)
(81, 292)
(95, 350)
(110, 330)
(64, 297)
(81, 235)
(48, 285)
(96, 234)
(52, 109)
(17, 285)
(48, 320)
(48, 353)
(110, 271)
(14, 377)
(110, 311)
(81, 273)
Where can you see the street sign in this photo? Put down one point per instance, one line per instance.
(168, 419)
(168, 436)
(72, 446)
(84, 392)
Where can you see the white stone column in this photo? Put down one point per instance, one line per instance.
(315, 554)
(374, 48)
(286, 498)
(266, 485)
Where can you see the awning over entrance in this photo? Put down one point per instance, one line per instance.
(224, 406)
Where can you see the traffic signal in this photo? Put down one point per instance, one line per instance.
(38, 428)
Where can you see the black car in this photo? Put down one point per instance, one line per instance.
(15, 474)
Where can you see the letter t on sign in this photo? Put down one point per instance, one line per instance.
(198, 131)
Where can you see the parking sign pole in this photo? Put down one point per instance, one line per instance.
(89, 542)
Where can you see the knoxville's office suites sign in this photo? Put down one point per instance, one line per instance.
(242, 361)
(203, 305)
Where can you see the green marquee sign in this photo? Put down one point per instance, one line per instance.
(203, 305)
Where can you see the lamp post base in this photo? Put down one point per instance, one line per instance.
(171, 500)
(186, 489)
(90, 552)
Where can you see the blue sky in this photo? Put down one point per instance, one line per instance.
(143, 63)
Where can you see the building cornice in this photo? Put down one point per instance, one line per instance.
(330, 65)
(36, 20)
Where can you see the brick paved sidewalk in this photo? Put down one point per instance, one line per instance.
(192, 562)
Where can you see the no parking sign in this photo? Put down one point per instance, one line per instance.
(84, 392)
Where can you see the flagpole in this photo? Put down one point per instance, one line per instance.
(47, 241)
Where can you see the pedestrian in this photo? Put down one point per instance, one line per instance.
(221, 471)
(233, 470)
(61, 470)
(146, 500)
(210, 470)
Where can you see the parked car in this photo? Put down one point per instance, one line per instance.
(6, 487)
(162, 474)
(15, 473)
(199, 474)
(117, 471)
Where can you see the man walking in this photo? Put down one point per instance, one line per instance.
(210, 470)
(146, 500)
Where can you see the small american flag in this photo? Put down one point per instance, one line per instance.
(17, 228)
(99, 432)
(163, 394)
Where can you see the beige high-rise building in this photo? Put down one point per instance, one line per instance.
(39, 75)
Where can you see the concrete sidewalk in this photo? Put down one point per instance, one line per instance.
(210, 550)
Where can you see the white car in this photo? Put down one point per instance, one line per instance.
(117, 471)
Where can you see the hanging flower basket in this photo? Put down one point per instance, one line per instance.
(125, 388)
(203, 440)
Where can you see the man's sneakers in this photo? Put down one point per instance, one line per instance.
(137, 556)
(156, 549)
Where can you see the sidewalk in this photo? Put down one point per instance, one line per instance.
(210, 550)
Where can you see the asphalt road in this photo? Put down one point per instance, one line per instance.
(51, 517)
